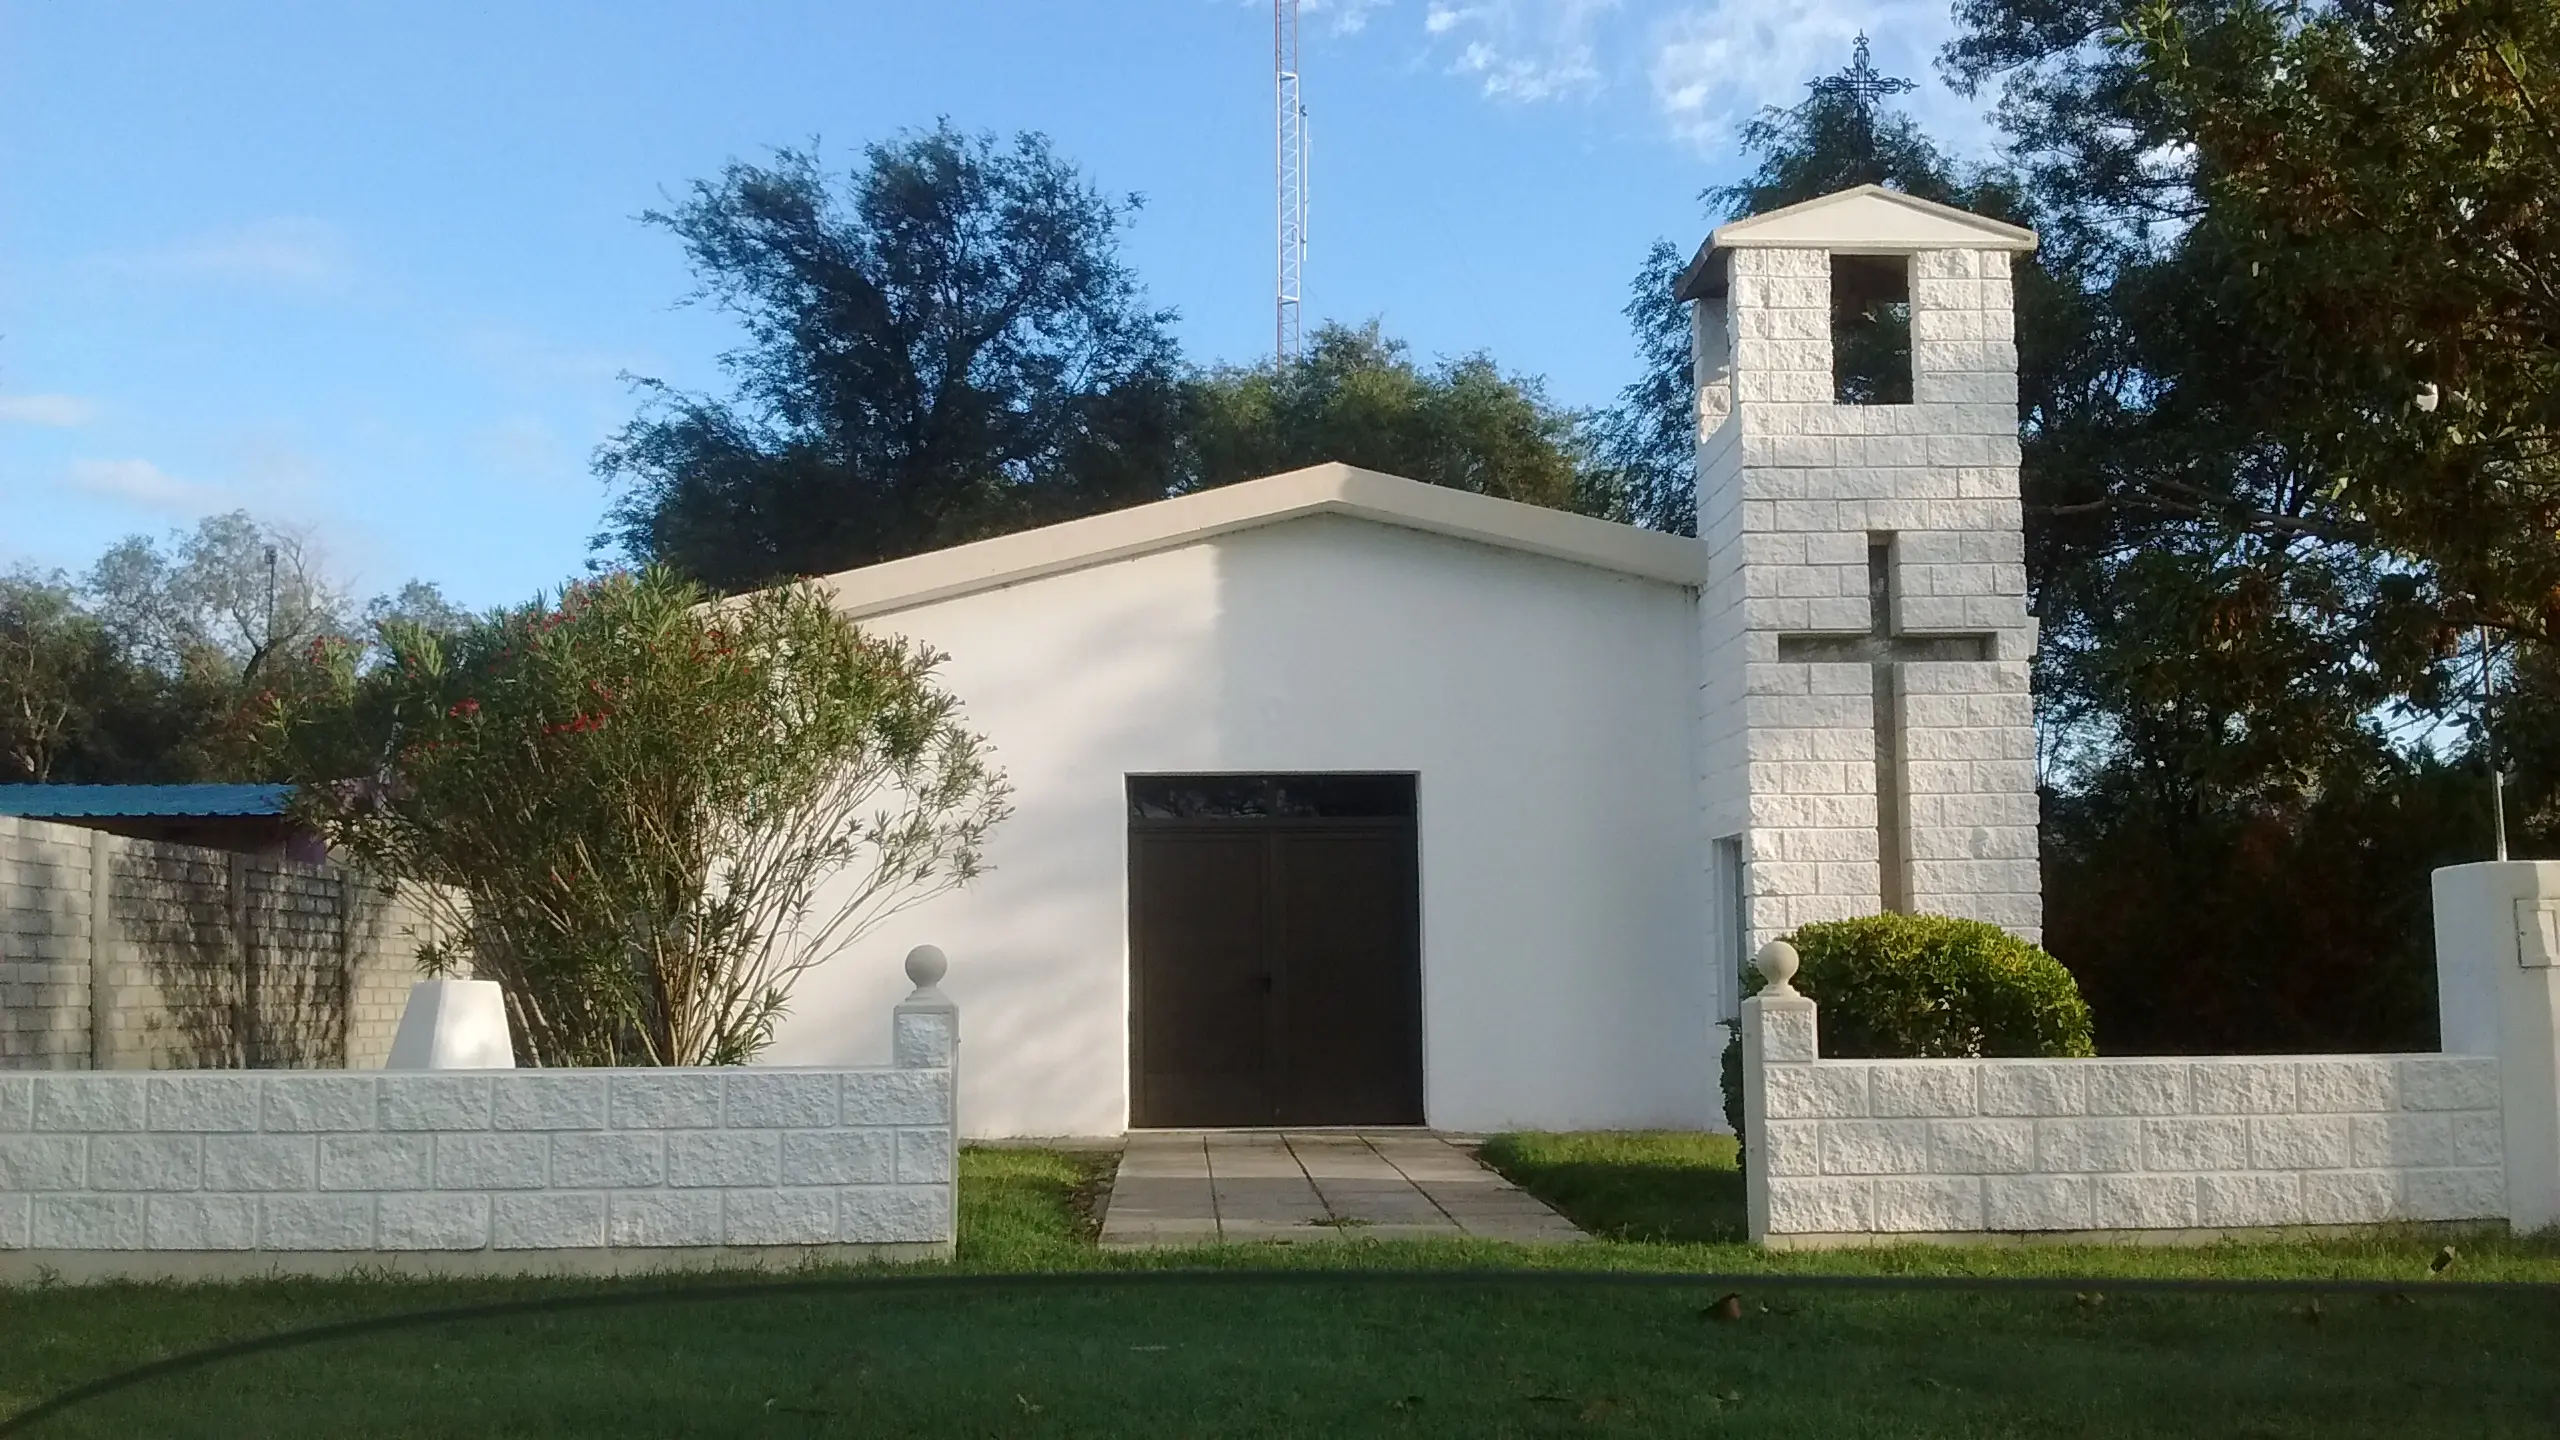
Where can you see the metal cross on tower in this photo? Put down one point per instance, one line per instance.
(1292, 117)
(1862, 86)
(1886, 650)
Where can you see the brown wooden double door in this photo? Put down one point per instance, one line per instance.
(1276, 949)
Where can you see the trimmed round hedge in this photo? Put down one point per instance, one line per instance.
(1907, 987)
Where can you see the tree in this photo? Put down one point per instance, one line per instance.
(48, 654)
(419, 603)
(945, 347)
(75, 707)
(232, 594)
(1645, 447)
(2385, 175)
(1355, 396)
(139, 672)
(2245, 527)
(653, 812)
(2288, 920)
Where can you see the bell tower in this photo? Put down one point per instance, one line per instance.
(1867, 741)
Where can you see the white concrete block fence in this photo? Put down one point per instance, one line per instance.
(208, 1174)
(1842, 1152)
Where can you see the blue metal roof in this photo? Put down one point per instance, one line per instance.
(39, 801)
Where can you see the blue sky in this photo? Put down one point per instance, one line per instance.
(371, 271)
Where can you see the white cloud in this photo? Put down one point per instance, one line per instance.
(142, 483)
(1525, 51)
(1708, 66)
(1341, 17)
(294, 251)
(1714, 66)
(60, 412)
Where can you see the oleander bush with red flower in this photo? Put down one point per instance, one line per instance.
(656, 809)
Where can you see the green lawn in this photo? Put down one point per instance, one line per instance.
(1309, 1339)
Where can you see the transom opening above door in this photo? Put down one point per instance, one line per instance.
(1313, 795)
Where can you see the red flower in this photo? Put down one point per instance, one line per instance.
(464, 707)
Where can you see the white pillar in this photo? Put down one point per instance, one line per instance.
(1778, 1027)
(2498, 993)
(925, 1035)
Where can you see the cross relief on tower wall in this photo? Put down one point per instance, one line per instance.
(1867, 727)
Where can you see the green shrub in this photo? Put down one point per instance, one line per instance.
(1905, 987)
(649, 814)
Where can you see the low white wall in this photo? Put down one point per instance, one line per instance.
(208, 1173)
(1845, 1151)
(1960, 1147)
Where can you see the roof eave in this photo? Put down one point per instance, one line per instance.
(1330, 489)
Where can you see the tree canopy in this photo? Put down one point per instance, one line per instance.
(137, 671)
(2303, 246)
(1358, 397)
(944, 345)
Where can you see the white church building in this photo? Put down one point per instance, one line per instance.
(1346, 800)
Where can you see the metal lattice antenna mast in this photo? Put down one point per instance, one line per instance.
(1291, 114)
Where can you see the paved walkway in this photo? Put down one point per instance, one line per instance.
(1231, 1187)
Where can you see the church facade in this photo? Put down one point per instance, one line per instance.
(1346, 800)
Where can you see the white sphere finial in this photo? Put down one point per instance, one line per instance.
(1776, 963)
(926, 965)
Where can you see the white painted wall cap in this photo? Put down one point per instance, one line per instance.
(453, 1025)
(1328, 489)
(1867, 220)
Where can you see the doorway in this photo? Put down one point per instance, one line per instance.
(1275, 950)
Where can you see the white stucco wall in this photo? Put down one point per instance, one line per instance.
(1545, 705)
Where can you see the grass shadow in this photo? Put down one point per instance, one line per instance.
(1677, 1187)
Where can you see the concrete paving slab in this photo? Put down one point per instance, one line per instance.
(1291, 1187)
(1165, 1159)
(1335, 1160)
(1163, 1197)
(1230, 1161)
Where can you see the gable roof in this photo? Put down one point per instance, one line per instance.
(1866, 220)
(1328, 489)
(110, 801)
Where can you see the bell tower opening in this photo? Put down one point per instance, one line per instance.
(1871, 329)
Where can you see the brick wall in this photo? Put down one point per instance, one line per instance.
(206, 1174)
(210, 958)
(1862, 1149)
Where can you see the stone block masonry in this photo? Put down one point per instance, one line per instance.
(210, 1174)
(133, 954)
(1871, 1151)
(1867, 739)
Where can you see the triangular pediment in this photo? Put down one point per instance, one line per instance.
(1869, 220)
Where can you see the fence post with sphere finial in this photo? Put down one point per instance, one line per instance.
(925, 1036)
(1778, 1030)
